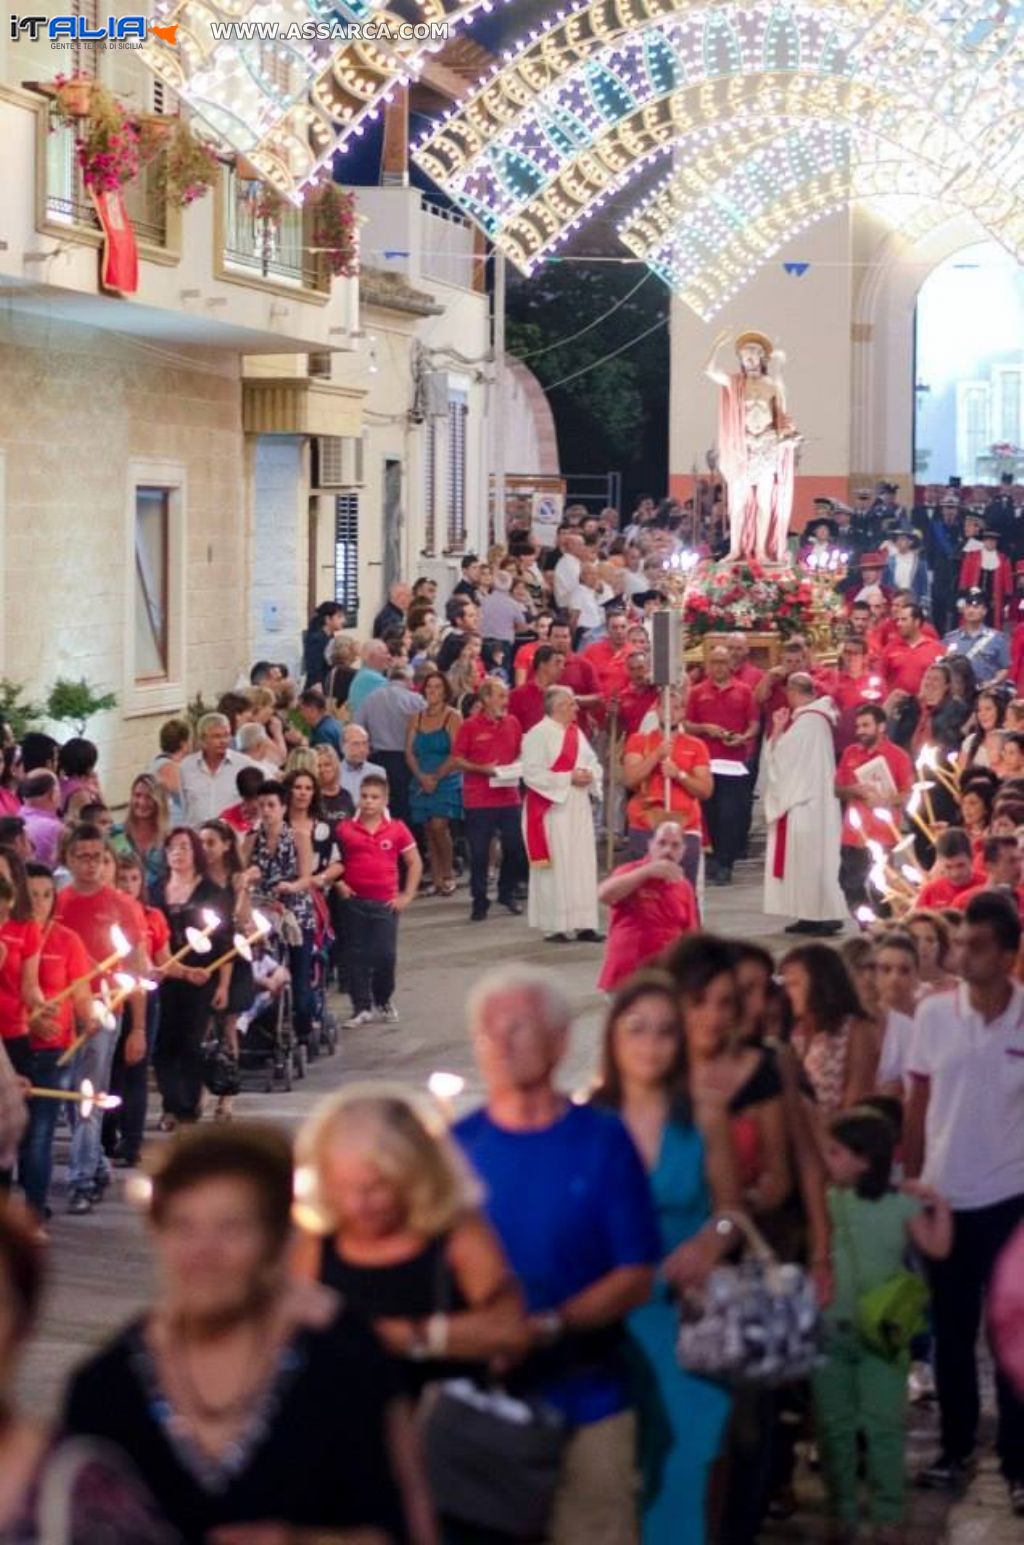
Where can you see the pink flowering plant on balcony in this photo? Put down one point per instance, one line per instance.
(187, 166)
(335, 230)
(106, 140)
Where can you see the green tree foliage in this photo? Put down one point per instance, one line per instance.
(75, 703)
(615, 415)
(17, 711)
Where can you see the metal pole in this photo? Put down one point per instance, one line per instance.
(497, 425)
(667, 711)
(609, 802)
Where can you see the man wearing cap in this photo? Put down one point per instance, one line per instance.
(942, 543)
(984, 648)
(864, 524)
(906, 569)
(989, 571)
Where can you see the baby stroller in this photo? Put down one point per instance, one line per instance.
(266, 1032)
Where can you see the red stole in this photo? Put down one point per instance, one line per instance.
(782, 824)
(536, 806)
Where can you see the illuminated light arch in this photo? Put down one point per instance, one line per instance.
(688, 121)
(289, 133)
(532, 153)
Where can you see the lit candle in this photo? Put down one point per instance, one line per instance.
(197, 941)
(242, 943)
(121, 948)
(85, 1097)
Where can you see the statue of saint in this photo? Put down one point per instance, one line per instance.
(757, 444)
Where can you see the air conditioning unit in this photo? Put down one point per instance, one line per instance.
(435, 394)
(338, 461)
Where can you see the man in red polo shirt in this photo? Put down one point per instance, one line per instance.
(92, 909)
(770, 692)
(652, 903)
(860, 798)
(954, 872)
(608, 654)
(639, 695)
(743, 670)
(668, 775)
(526, 703)
(371, 846)
(578, 674)
(905, 662)
(491, 739)
(723, 713)
(1002, 861)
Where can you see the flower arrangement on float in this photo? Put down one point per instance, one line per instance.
(753, 598)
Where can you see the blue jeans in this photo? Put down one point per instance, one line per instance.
(35, 1155)
(94, 1062)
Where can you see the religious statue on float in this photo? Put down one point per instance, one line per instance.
(757, 444)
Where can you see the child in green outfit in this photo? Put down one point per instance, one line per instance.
(858, 1391)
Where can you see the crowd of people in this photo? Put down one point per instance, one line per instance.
(405, 1330)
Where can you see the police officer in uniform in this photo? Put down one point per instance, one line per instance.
(984, 648)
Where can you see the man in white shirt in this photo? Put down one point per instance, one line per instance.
(207, 777)
(965, 1136)
(568, 569)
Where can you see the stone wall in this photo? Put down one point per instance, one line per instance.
(77, 406)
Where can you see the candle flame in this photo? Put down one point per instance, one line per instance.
(210, 919)
(911, 873)
(865, 915)
(446, 1086)
(119, 940)
(261, 925)
(855, 820)
(242, 945)
(198, 943)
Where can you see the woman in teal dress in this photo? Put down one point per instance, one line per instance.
(683, 1137)
(435, 792)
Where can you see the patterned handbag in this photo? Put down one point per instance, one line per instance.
(756, 1322)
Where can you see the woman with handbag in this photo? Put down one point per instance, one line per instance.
(876, 1309)
(683, 1138)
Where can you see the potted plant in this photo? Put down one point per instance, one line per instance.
(73, 95)
(188, 168)
(335, 230)
(266, 203)
(107, 143)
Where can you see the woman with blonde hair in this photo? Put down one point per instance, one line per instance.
(402, 1235)
(264, 708)
(145, 827)
(301, 759)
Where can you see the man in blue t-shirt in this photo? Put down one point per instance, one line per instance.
(568, 1194)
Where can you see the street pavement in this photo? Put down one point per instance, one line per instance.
(99, 1269)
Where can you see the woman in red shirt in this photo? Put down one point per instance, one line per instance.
(62, 960)
(19, 960)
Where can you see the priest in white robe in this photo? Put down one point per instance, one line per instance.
(563, 778)
(801, 875)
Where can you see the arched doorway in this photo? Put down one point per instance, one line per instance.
(969, 369)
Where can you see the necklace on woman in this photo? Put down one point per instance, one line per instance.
(196, 1403)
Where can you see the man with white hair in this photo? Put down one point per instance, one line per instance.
(501, 618)
(801, 875)
(652, 904)
(355, 763)
(372, 673)
(562, 776)
(569, 1198)
(207, 776)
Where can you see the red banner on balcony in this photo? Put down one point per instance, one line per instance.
(119, 259)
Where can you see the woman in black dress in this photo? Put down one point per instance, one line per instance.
(240, 1398)
(224, 870)
(188, 899)
(402, 1237)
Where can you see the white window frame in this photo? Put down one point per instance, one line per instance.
(5, 611)
(165, 696)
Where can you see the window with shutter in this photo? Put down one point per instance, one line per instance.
(458, 412)
(85, 55)
(346, 555)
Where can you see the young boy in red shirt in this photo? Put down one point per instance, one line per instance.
(371, 846)
(954, 871)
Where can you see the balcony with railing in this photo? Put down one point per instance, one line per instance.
(67, 203)
(447, 246)
(270, 247)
